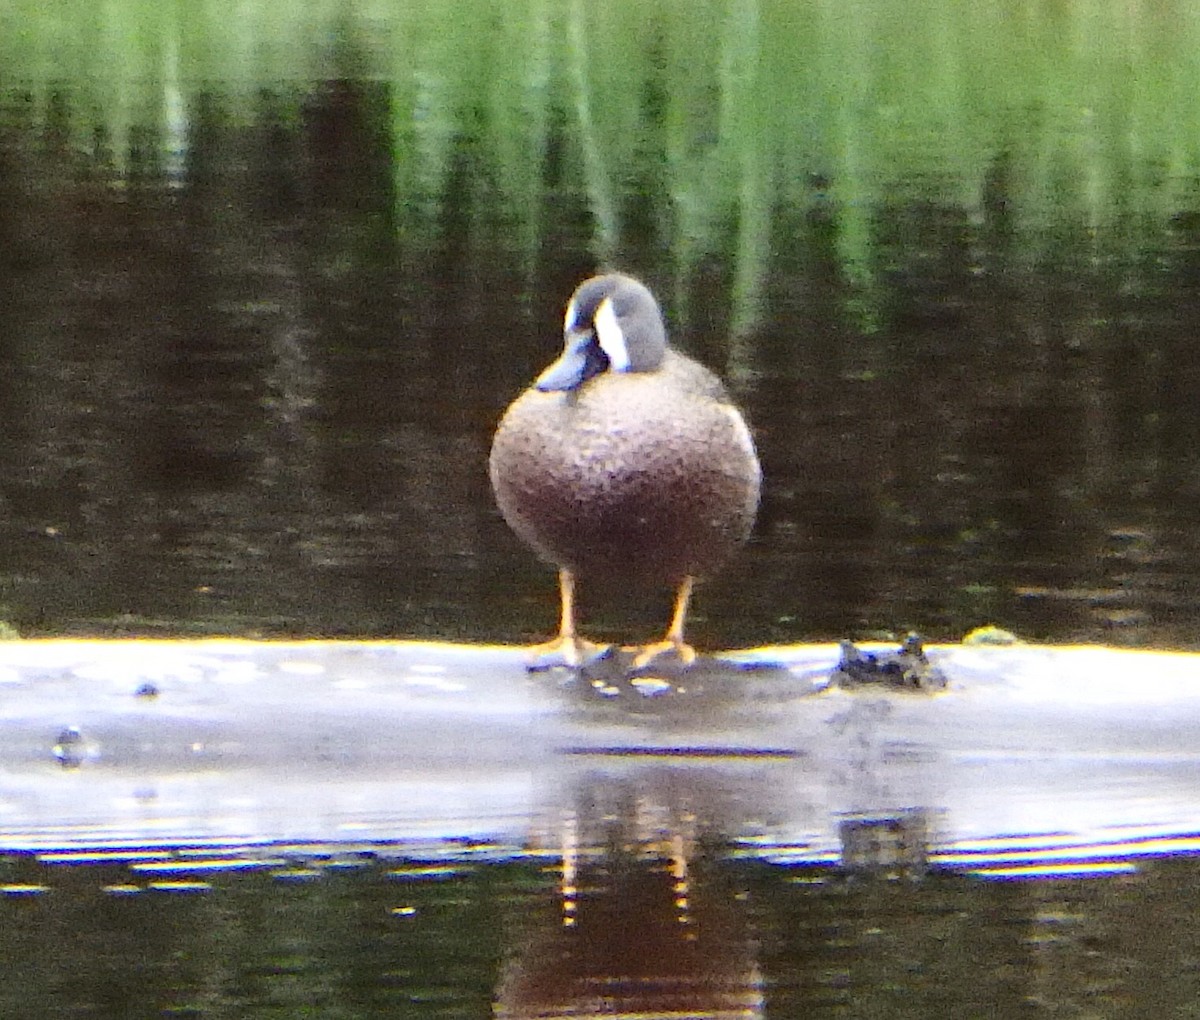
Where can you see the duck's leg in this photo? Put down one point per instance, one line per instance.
(673, 640)
(568, 649)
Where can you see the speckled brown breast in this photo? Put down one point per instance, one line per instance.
(645, 477)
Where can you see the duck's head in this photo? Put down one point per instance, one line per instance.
(613, 324)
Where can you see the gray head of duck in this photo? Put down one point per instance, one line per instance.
(613, 324)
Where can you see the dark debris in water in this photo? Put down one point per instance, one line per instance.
(69, 748)
(906, 669)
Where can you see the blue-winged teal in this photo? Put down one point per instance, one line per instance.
(625, 461)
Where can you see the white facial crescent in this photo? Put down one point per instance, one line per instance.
(612, 339)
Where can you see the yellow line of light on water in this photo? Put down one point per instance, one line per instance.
(750, 652)
(1176, 845)
(180, 887)
(103, 856)
(219, 640)
(1097, 869)
(426, 872)
(177, 867)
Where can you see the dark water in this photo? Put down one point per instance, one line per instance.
(345, 933)
(252, 391)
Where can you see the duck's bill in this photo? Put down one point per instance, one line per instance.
(580, 360)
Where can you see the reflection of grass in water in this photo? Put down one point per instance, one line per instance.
(1088, 100)
(685, 128)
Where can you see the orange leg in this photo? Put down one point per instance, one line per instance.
(568, 649)
(673, 640)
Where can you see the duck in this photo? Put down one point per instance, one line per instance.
(625, 462)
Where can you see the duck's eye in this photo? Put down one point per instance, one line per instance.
(610, 335)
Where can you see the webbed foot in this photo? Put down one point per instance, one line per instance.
(668, 652)
(564, 650)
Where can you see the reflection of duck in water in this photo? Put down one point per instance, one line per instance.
(625, 461)
(639, 931)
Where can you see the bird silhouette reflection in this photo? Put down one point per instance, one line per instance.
(644, 924)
